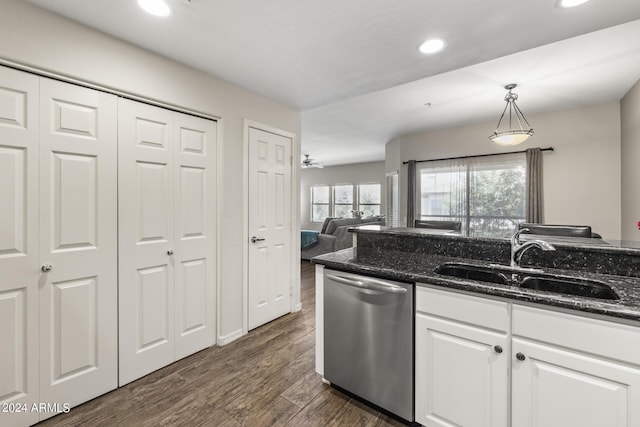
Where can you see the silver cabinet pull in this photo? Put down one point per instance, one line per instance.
(170, 252)
(371, 284)
(46, 268)
(255, 239)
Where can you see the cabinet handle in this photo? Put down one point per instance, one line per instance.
(497, 349)
(170, 252)
(46, 268)
(520, 356)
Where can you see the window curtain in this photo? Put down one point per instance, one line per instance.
(411, 193)
(534, 186)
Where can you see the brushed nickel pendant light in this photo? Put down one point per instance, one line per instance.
(516, 133)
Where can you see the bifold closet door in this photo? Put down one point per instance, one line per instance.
(195, 240)
(146, 269)
(167, 241)
(78, 243)
(19, 269)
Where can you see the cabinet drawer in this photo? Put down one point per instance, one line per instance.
(463, 308)
(599, 337)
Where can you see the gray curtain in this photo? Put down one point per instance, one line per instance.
(534, 185)
(411, 193)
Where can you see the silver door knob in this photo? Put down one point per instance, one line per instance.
(46, 268)
(255, 239)
(170, 252)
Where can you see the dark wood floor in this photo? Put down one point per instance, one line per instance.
(266, 378)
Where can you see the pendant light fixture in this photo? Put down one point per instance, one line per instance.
(512, 136)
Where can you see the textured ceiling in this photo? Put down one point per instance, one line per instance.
(326, 57)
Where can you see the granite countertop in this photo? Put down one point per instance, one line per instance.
(593, 244)
(627, 288)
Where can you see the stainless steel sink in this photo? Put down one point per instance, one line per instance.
(528, 279)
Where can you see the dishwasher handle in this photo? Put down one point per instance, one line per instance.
(371, 284)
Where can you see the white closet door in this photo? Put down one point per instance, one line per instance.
(146, 266)
(195, 240)
(78, 223)
(19, 269)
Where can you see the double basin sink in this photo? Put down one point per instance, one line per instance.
(529, 279)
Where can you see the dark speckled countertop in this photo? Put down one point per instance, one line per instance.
(407, 269)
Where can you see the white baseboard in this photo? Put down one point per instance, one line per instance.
(297, 307)
(228, 338)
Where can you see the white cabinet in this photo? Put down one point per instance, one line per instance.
(574, 371)
(58, 266)
(461, 364)
(167, 265)
(563, 370)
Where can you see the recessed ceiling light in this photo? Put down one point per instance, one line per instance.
(432, 46)
(155, 7)
(571, 3)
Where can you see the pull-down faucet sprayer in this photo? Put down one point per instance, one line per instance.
(517, 248)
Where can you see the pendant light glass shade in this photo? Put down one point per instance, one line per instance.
(519, 129)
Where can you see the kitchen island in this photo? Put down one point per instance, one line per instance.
(502, 354)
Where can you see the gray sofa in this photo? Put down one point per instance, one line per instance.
(334, 235)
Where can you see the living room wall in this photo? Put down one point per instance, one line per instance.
(359, 173)
(582, 177)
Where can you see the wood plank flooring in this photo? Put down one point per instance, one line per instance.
(266, 378)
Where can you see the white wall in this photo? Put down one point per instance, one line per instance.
(581, 177)
(359, 173)
(36, 38)
(630, 125)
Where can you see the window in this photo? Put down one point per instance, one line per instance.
(319, 203)
(392, 199)
(369, 199)
(486, 194)
(342, 200)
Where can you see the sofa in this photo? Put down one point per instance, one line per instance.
(334, 236)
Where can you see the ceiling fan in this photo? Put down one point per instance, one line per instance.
(310, 163)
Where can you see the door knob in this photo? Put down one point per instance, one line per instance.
(497, 349)
(170, 252)
(520, 356)
(255, 239)
(46, 268)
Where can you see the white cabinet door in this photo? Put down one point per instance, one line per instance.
(19, 268)
(461, 374)
(556, 387)
(78, 223)
(146, 268)
(194, 260)
(270, 278)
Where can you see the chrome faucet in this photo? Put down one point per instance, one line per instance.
(517, 248)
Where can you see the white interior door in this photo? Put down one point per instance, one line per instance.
(195, 240)
(78, 223)
(269, 276)
(19, 269)
(146, 245)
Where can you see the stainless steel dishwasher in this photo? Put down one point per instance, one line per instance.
(368, 339)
